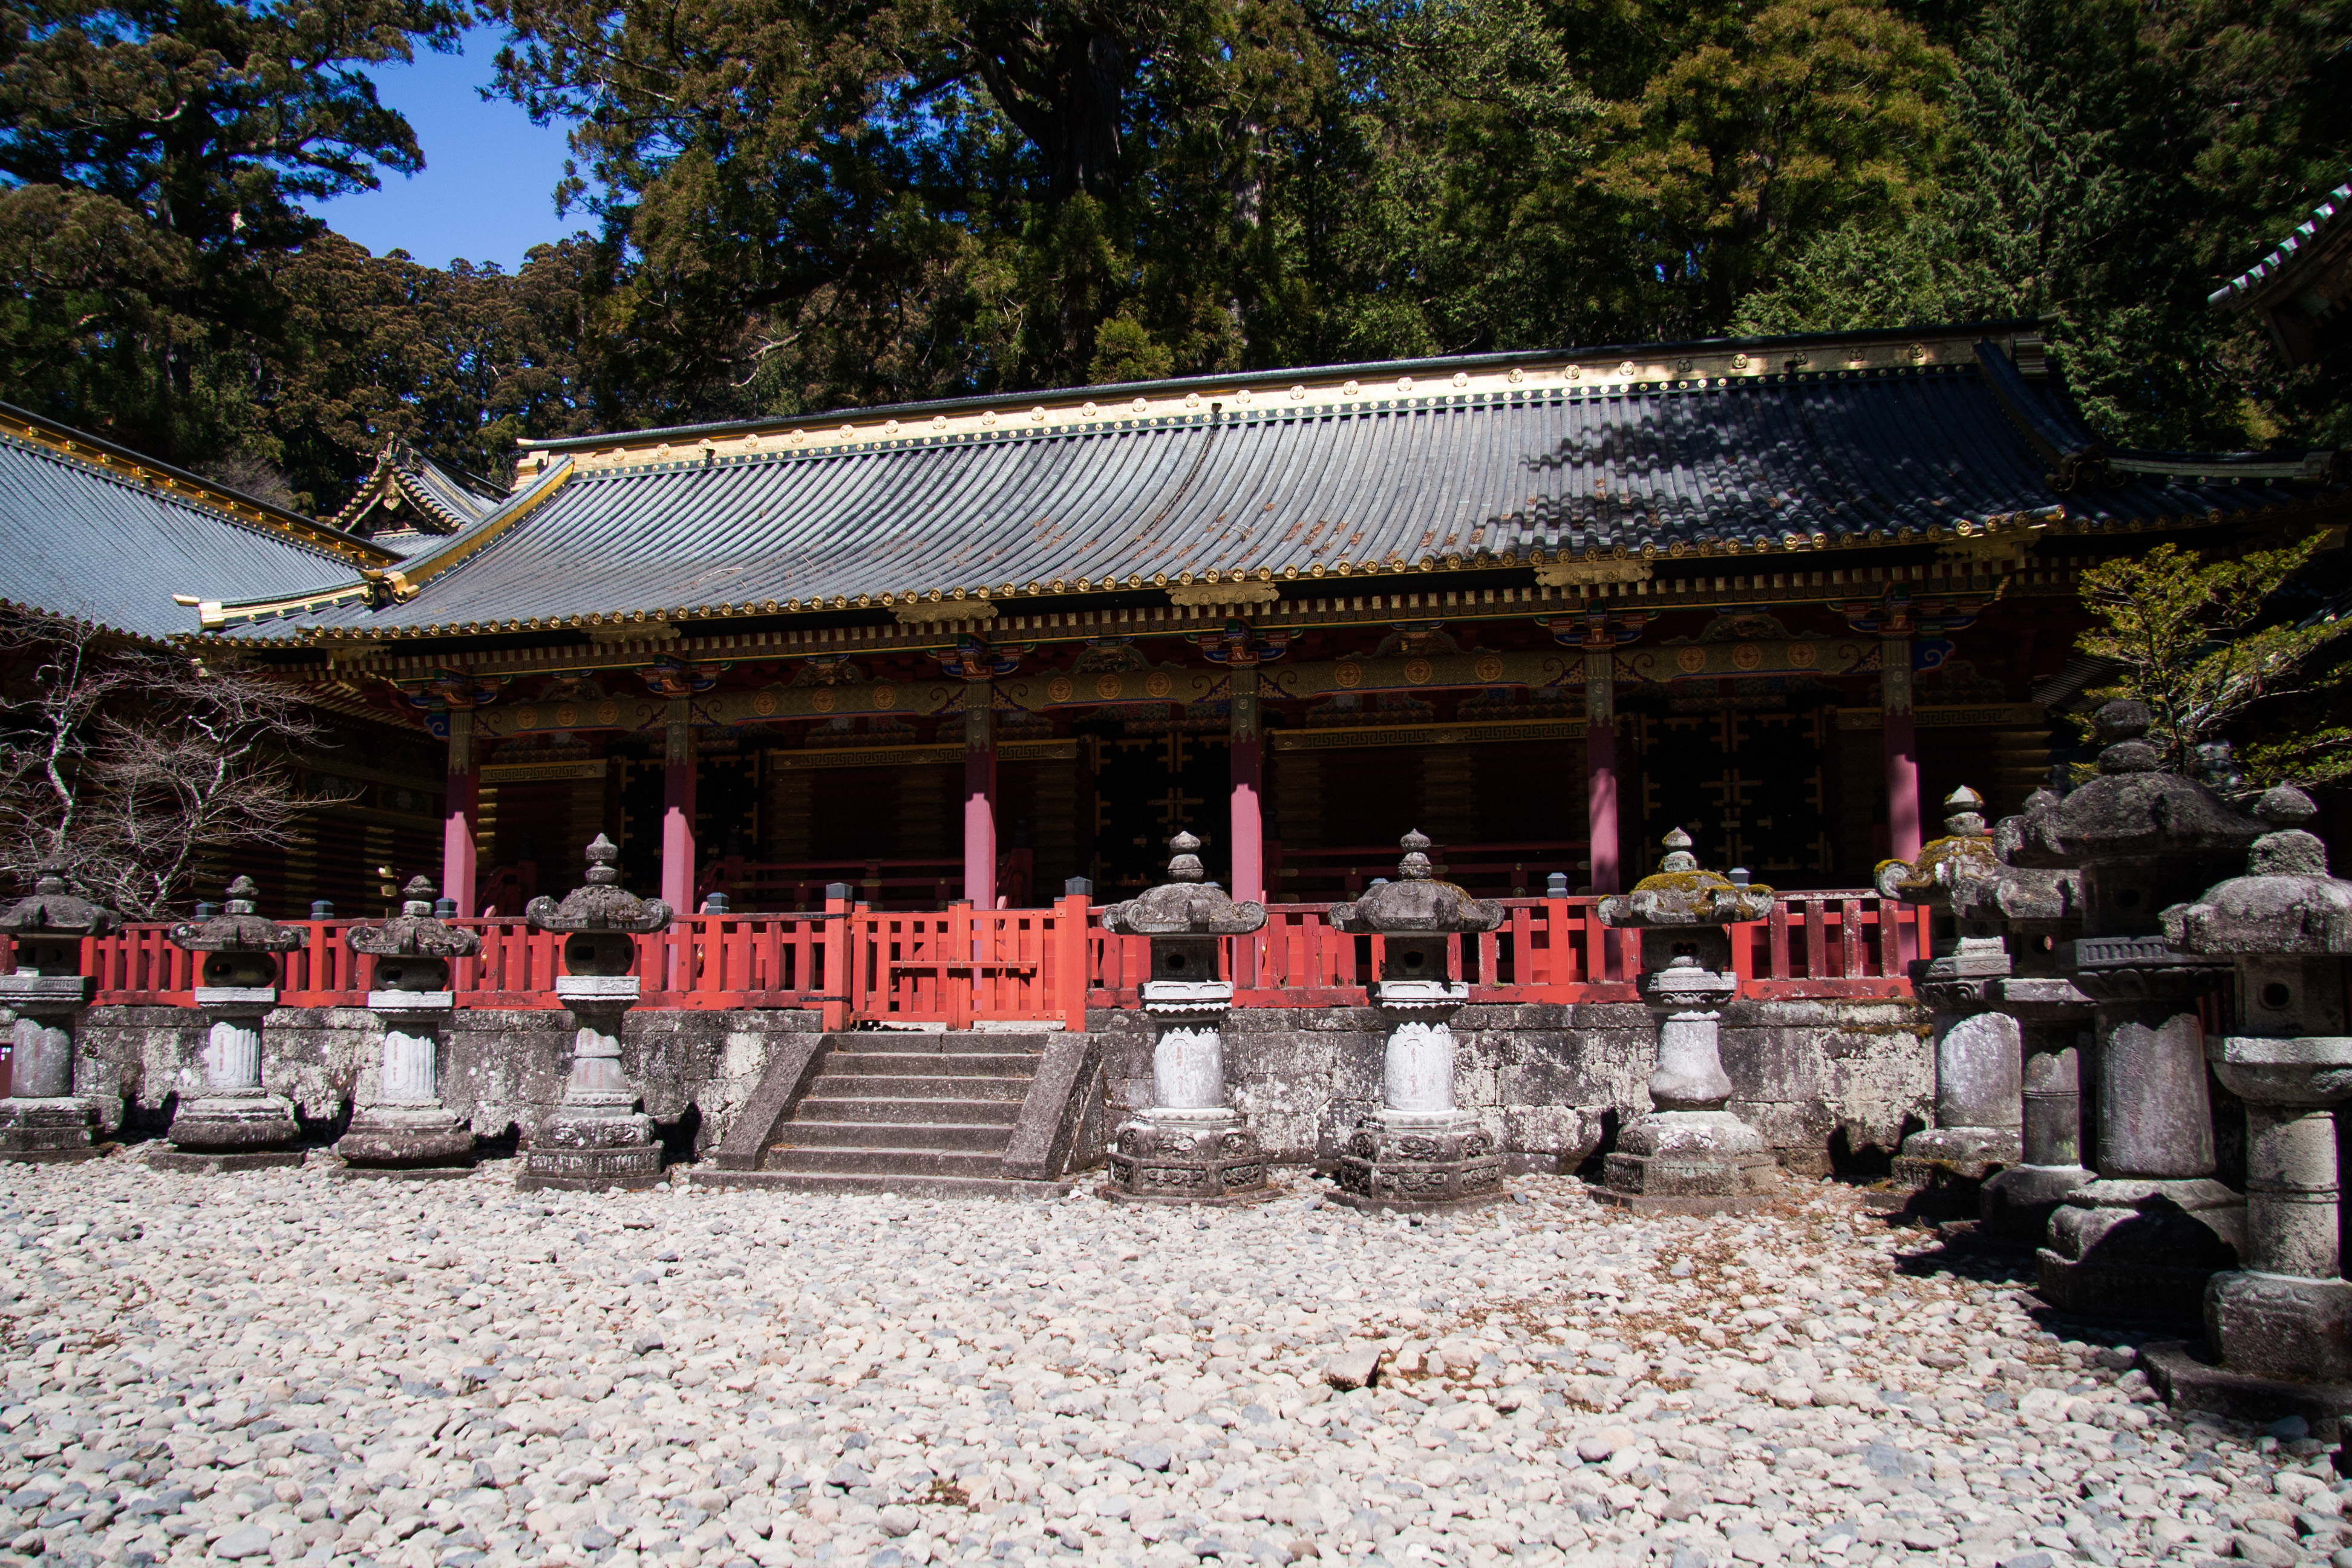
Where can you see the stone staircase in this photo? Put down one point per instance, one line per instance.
(918, 1113)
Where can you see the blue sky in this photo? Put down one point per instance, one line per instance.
(487, 193)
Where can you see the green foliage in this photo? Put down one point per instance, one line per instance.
(2200, 644)
(800, 205)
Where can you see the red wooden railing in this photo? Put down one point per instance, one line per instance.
(962, 966)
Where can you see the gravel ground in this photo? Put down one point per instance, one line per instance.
(276, 1367)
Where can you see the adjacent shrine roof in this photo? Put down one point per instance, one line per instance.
(1579, 462)
(408, 502)
(96, 533)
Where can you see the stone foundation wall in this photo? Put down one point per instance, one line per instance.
(505, 1069)
(1553, 1082)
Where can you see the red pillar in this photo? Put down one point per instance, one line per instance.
(460, 802)
(1600, 770)
(979, 796)
(1248, 829)
(1902, 753)
(678, 810)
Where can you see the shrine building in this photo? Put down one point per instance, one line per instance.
(1543, 606)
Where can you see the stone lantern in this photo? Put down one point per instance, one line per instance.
(1688, 1155)
(596, 1139)
(2043, 913)
(1418, 1152)
(1978, 1108)
(2141, 1241)
(2286, 928)
(42, 1120)
(406, 1131)
(1189, 1147)
(236, 1124)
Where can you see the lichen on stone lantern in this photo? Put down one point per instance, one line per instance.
(2142, 1239)
(1939, 1172)
(1419, 1150)
(235, 1123)
(1191, 1146)
(596, 1139)
(404, 1130)
(2286, 928)
(42, 1119)
(1689, 1154)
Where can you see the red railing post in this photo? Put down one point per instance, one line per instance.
(833, 1010)
(1072, 912)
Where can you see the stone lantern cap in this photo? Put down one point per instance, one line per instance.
(1416, 903)
(1187, 904)
(601, 905)
(2286, 904)
(2135, 809)
(56, 911)
(236, 929)
(1680, 894)
(1964, 855)
(414, 932)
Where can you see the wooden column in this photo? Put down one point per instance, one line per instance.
(1248, 827)
(1601, 768)
(677, 808)
(460, 801)
(1902, 751)
(980, 795)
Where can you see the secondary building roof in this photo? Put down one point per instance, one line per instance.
(94, 531)
(409, 501)
(2301, 287)
(1570, 462)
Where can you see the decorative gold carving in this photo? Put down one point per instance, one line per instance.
(1813, 656)
(633, 631)
(916, 756)
(540, 772)
(924, 613)
(1509, 730)
(1223, 594)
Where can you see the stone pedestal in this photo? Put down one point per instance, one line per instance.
(1419, 1151)
(2140, 1241)
(1689, 1155)
(1189, 1147)
(595, 1140)
(2051, 1014)
(234, 1124)
(405, 1131)
(42, 1120)
(1978, 1110)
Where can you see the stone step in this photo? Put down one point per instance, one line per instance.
(940, 1086)
(917, 1042)
(945, 1064)
(850, 1182)
(965, 1135)
(822, 1106)
(895, 1160)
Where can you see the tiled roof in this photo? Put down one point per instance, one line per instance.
(2262, 273)
(410, 500)
(1501, 460)
(96, 533)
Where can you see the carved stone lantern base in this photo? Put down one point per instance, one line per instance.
(2184, 1376)
(2139, 1249)
(1420, 1161)
(2017, 1204)
(592, 1155)
(408, 1142)
(1690, 1162)
(1187, 1157)
(46, 1131)
(235, 1130)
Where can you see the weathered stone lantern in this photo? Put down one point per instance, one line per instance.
(2141, 1241)
(1688, 1155)
(406, 1131)
(1978, 1103)
(2286, 928)
(236, 1124)
(43, 1119)
(596, 1139)
(1191, 1146)
(2043, 913)
(1418, 1151)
